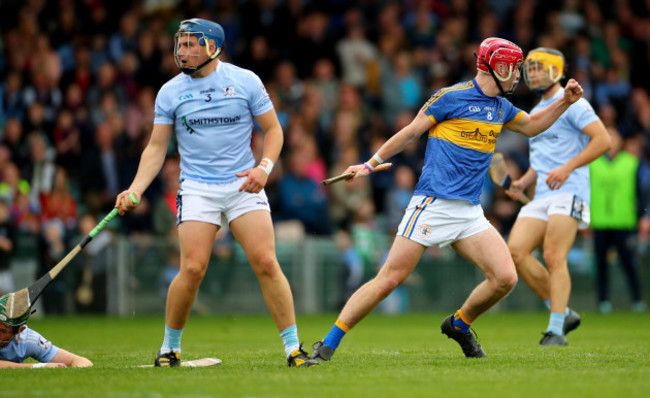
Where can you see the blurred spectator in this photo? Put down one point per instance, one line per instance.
(12, 104)
(52, 249)
(356, 53)
(66, 139)
(345, 197)
(300, 198)
(95, 261)
(617, 203)
(164, 209)
(99, 170)
(398, 197)
(351, 271)
(7, 247)
(59, 203)
(14, 141)
(366, 237)
(41, 166)
(126, 39)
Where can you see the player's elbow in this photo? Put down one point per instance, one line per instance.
(81, 362)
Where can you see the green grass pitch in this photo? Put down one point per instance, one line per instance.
(399, 356)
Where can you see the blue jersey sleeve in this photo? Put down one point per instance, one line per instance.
(510, 112)
(164, 113)
(258, 98)
(581, 114)
(38, 347)
(437, 108)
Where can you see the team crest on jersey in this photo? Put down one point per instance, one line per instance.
(424, 230)
(229, 91)
(45, 344)
(500, 115)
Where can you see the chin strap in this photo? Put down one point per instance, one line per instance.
(191, 71)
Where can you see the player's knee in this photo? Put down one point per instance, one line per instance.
(553, 260)
(517, 254)
(506, 281)
(194, 272)
(266, 266)
(387, 283)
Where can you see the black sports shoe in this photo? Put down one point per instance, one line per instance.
(300, 359)
(571, 321)
(321, 352)
(168, 360)
(551, 338)
(471, 347)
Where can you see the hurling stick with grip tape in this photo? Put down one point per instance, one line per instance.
(347, 176)
(499, 175)
(20, 302)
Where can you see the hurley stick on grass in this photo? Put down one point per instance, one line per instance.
(20, 302)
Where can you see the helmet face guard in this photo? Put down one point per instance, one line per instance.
(494, 51)
(204, 31)
(543, 68)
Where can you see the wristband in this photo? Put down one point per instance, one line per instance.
(38, 365)
(267, 165)
(369, 167)
(378, 159)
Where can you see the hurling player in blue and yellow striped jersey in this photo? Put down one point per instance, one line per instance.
(463, 124)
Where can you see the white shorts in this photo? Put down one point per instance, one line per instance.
(566, 204)
(434, 221)
(201, 201)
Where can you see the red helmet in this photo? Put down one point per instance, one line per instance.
(494, 51)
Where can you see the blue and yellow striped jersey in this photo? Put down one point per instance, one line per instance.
(462, 140)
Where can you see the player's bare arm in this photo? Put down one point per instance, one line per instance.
(71, 360)
(531, 125)
(151, 162)
(600, 143)
(273, 141)
(395, 144)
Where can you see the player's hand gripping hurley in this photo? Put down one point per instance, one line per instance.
(19, 303)
(499, 175)
(355, 171)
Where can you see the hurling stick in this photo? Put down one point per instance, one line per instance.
(347, 176)
(20, 302)
(499, 175)
(197, 363)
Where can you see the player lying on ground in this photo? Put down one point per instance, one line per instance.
(18, 342)
(464, 122)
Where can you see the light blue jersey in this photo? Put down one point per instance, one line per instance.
(28, 344)
(560, 143)
(213, 120)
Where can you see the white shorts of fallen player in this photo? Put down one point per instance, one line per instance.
(434, 221)
(566, 204)
(201, 201)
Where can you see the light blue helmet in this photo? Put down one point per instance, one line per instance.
(203, 30)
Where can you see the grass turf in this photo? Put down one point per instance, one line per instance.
(401, 356)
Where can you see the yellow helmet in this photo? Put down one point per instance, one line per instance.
(543, 68)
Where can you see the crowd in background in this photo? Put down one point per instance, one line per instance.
(78, 81)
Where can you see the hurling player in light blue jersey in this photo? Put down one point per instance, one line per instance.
(211, 107)
(463, 123)
(559, 159)
(18, 342)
